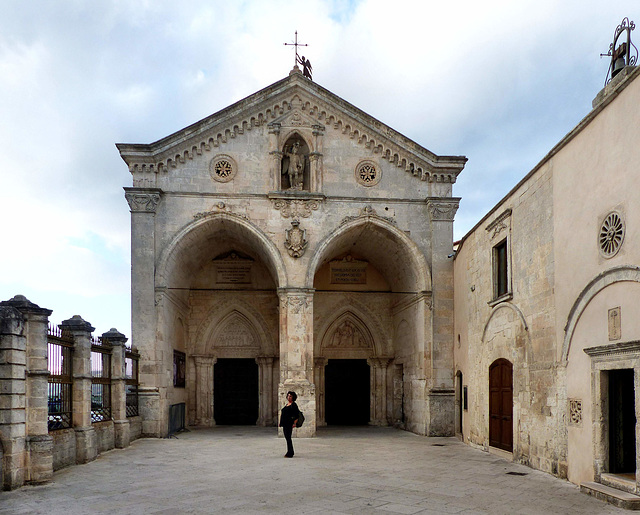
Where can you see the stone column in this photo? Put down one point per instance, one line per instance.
(296, 354)
(118, 388)
(276, 156)
(441, 394)
(13, 368)
(152, 388)
(265, 372)
(319, 365)
(379, 391)
(86, 439)
(204, 390)
(315, 159)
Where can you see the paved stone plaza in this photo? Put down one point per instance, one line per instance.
(350, 470)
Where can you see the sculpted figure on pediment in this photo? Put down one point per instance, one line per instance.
(295, 164)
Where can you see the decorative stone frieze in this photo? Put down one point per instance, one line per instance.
(296, 208)
(142, 200)
(442, 209)
(370, 212)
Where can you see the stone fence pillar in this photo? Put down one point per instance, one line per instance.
(86, 440)
(117, 340)
(24, 401)
(13, 368)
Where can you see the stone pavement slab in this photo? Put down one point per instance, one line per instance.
(368, 470)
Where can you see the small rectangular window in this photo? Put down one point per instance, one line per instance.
(179, 369)
(500, 272)
(464, 398)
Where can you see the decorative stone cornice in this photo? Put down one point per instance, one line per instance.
(315, 107)
(499, 224)
(442, 209)
(368, 212)
(622, 349)
(142, 200)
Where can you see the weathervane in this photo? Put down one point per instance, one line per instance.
(621, 56)
(306, 64)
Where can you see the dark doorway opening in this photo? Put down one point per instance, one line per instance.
(501, 405)
(347, 396)
(622, 422)
(235, 392)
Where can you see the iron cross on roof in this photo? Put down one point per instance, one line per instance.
(306, 64)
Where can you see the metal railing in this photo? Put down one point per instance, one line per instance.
(131, 360)
(60, 387)
(100, 381)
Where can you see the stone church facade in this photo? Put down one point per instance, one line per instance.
(293, 242)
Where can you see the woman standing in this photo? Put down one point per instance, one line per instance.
(288, 419)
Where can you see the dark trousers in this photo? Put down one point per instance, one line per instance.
(287, 430)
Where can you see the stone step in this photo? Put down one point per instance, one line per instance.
(612, 496)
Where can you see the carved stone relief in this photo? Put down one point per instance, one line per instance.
(142, 202)
(347, 336)
(295, 240)
(295, 208)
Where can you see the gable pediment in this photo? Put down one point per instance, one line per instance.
(294, 102)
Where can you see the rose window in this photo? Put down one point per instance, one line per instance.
(611, 234)
(367, 173)
(222, 168)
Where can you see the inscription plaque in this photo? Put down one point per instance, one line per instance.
(233, 269)
(615, 326)
(348, 271)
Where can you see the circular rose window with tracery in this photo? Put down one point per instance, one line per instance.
(367, 173)
(222, 168)
(611, 234)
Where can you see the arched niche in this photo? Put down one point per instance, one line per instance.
(295, 171)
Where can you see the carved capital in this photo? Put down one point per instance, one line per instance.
(142, 200)
(442, 209)
(298, 304)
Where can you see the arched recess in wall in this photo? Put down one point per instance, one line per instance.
(386, 247)
(219, 318)
(347, 333)
(524, 333)
(185, 253)
(595, 286)
(362, 314)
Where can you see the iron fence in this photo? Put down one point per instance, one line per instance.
(100, 380)
(60, 387)
(131, 360)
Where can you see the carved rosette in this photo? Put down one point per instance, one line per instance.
(295, 240)
(443, 210)
(142, 202)
(295, 208)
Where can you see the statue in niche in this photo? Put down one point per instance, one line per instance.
(294, 165)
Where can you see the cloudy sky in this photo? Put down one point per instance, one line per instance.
(499, 81)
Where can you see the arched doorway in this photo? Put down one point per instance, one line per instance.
(501, 405)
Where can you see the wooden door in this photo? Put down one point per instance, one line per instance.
(501, 405)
